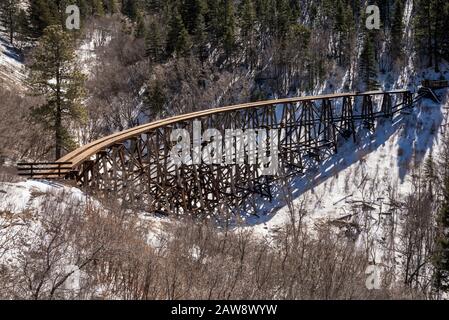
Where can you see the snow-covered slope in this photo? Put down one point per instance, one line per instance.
(31, 196)
(365, 171)
(11, 64)
(18, 197)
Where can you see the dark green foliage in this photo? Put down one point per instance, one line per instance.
(192, 10)
(368, 64)
(397, 29)
(229, 37)
(140, 26)
(154, 42)
(111, 6)
(41, 13)
(344, 28)
(430, 176)
(98, 7)
(431, 35)
(54, 76)
(248, 30)
(178, 40)
(130, 8)
(155, 98)
(441, 255)
(201, 38)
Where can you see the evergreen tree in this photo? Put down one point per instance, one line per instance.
(130, 8)
(441, 254)
(9, 10)
(154, 98)
(183, 44)
(178, 40)
(191, 12)
(430, 175)
(41, 13)
(111, 6)
(368, 64)
(344, 26)
(229, 36)
(154, 42)
(201, 39)
(431, 37)
(214, 19)
(140, 26)
(397, 30)
(54, 76)
(22, 25)
(98, 7)
(283, 18)
(248, 21)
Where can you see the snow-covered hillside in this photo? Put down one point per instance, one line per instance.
(364, 171)
(11, 64)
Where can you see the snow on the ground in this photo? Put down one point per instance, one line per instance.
(86, 52)
(12, 70)
(377, 161)
(18, 197)
(353, 189)
(28, 196)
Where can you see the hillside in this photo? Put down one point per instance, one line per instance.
(379, 201)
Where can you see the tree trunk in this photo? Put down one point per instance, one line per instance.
(58, 132)
(11, 25)
(58, 116)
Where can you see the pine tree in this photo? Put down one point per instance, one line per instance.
(213, 18)
(9, 10)
(140, 26)
(283, 18)
(344, 25)
(97, 7)
(22, 25)
(154, 43)
(430, 175)
(201, 39)
(397, 30)
(445, 26)
(41, 13)
(183, 43)
(178, 40)
(431, 37)
(229, 36)
(54, 75)
(130, 8)
(368, 64)
(111, 6)
(248, 21)
(441, 254)
(440, 257)
(154, 98)
(191, 10)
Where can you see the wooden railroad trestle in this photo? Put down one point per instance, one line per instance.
(138, 169)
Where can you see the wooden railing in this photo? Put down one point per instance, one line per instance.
(45, 170)
(435, 84)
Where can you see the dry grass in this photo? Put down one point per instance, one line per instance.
(192, 260)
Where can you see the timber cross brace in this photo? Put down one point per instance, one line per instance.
(134, 165)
